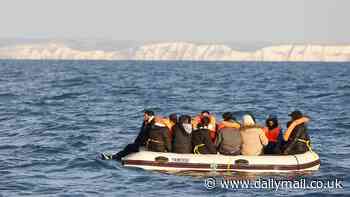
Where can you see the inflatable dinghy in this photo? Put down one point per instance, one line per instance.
(177, 163)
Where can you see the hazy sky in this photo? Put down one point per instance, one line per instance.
(311, 21)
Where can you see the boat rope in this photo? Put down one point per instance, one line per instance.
(228, 167)
(296, 158)
(154, 141)
(307, 143)
(195, 149)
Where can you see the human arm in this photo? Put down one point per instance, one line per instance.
(263, 139)
(210, 145)
(166, 139)
(218, 139)
(142, 136)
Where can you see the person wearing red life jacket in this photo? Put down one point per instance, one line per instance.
(274, 134)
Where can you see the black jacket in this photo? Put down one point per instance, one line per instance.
(201, 137)
(159, 140)
(182, 142)
(294, 145)
(229, 141)
(142, 137)
(141, 140)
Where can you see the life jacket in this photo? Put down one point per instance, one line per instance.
(159, 121)
(292, 126)
(211, 125)
(195, 121)
(165, 122)
(228, 124)
(170, 124)
(272, 135)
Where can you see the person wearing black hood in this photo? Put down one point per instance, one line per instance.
(141, 139)
(201, 141)
(297, 140)
(274, 134)
(182, 133)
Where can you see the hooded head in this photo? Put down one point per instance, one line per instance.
(272, 122)
(296, 115)
(185, 119)
(228, 116)
(205, 113)
(173, 118)
(248, 120)
(185, 123)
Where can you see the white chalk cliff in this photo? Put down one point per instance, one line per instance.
(180, 51)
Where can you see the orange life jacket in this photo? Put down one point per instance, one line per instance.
(292, 126)
(229, 124)
(211, 125)
(166, 122)
(272, 135)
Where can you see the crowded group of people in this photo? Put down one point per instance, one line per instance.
(203, 134)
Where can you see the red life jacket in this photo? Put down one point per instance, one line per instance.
(273, 134)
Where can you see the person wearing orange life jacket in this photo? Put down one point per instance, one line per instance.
(159, 139)
(168, 122)
(274, 134)
(229, 140)
(296, 137)
(211, 126)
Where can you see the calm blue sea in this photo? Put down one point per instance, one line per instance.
(56, 116)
